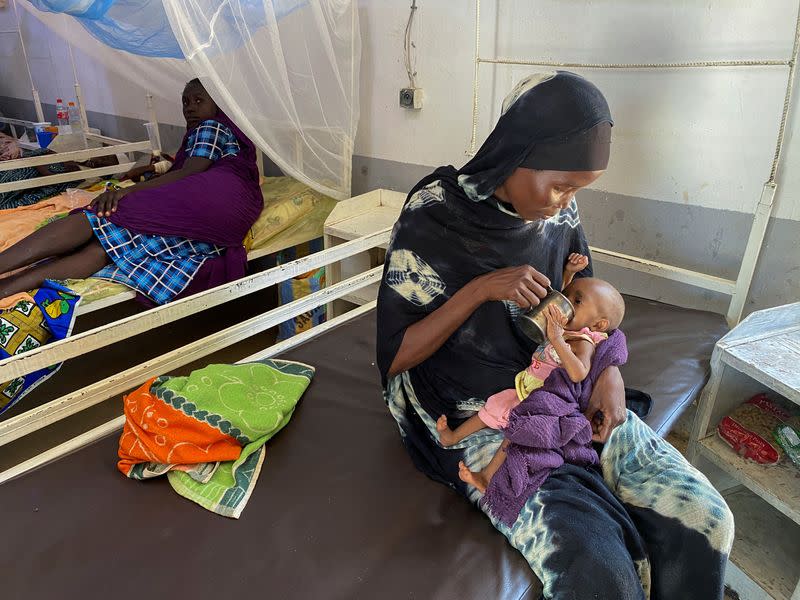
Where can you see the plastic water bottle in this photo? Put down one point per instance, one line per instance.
(62, 120)
(76, 124)
(74, 118)
(63, 117)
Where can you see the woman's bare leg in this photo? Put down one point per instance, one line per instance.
(64, 236)
(481, 479)
(78, 265)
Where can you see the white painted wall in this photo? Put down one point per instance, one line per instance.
(702, 137)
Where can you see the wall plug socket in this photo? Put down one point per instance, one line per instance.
(411, 98)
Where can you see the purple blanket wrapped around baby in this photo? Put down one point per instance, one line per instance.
(548, 429)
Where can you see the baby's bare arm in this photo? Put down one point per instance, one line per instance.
(576, 357)
(575, 264)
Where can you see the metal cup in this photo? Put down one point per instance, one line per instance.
(533, 323)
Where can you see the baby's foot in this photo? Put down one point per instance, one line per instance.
(475, 479)
(446, 435)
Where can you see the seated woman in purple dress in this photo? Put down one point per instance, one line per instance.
(173, 235)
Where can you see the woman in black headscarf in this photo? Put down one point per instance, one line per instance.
(471, 249)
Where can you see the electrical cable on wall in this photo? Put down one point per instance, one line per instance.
(408, 47)
(411, 96)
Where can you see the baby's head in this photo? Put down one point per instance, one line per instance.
(598, 305)
(197, 104)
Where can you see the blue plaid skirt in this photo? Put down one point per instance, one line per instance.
(159, 267)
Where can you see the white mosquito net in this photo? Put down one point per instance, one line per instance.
(285, 71)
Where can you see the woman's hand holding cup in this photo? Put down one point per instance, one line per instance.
(522, 285)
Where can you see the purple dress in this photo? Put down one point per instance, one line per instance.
(184, 237)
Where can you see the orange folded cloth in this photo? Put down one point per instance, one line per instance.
(156, 432)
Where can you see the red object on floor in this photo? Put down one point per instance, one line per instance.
(747, 443)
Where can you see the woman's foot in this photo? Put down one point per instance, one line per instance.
(478, 480)
(447, 436)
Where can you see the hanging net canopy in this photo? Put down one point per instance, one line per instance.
(286, 71)
(136, 26)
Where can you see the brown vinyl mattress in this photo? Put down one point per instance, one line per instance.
(338, 512)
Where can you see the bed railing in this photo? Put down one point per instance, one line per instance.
(41, 416)
(115, 147)
(109, 147)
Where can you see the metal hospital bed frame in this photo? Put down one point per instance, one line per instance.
(100, 337)
(110, 147)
